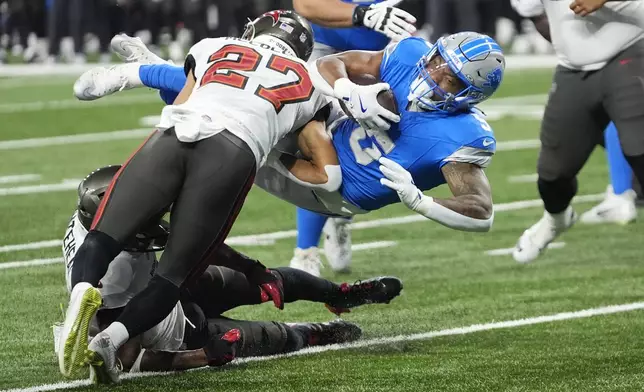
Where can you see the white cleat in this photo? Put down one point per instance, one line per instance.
(101, 81)
(101, 357)
(133, 50)
(83, 303)
(536, 238)
(307, 260)
(337, 244)
(614, 208)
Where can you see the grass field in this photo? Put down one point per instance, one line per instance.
(449, 281)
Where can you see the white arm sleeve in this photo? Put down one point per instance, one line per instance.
(452, 219)
(318, 81)
(333, 172)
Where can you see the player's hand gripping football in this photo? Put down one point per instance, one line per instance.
(362, 101)
(400, 180)
(386, 18)
(270, 284)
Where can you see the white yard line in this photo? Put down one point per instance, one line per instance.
(580, 314)
(74, 139)
(31, 245)
(30, 263)
(508, 251)
(55, 260)
(513, 145)
(270, 238)
(20, 107)
(64, 185)
(19, 178)
(523, 178)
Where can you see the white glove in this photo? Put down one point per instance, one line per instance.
(528, 8)
(400, 180)
(385, 18)
(362, 102)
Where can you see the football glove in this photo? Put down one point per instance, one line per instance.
(362, 102)
(385, 18)
(400, 180)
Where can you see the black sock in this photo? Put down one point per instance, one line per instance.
(94, 257)
(297, 337)
(150, 306)
(557, 194)
(300, 285)
(637, 164)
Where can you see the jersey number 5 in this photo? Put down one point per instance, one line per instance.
(231, 58)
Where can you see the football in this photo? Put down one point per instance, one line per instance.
(385, 98)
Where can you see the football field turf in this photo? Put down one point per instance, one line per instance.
(452, 329)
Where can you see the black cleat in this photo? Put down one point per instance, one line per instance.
(334, 332)
(379, 290)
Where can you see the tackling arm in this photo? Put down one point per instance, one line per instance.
(329, 13)
(186, 90)
(321, 169)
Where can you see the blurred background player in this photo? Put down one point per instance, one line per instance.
(196, 323)
(340, 26)
(598, 80)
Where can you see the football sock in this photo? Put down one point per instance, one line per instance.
(94, 257)
(150, 306)
(309, 228)
(118, 334)
(302, 286)
(620, 171)
(637, 164)
(556, 195)
(170, 79)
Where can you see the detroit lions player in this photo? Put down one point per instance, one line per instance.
(340, 25)
(440, 139)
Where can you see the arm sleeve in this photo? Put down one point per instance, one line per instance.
(479, 152)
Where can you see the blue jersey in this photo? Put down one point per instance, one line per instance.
(422, 142)
(352, 38)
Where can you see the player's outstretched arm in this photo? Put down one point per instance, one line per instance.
(383, 17)
(320, 168)
(534, 10)
(469, 209)
(186, 90)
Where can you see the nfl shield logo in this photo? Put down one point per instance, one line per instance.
(303, 38)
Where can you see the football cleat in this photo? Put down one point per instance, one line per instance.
(307, 260)
(614, 208)
(102, 360)
(133, 50)
(337, 244)
(101, 81)
(379, 290)
(334, 332)
(534, 240)
(83, 305)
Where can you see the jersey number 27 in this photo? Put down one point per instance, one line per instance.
(244, 58)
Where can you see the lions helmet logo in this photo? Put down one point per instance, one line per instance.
(493, 79)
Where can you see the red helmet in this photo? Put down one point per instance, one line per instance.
(285, 25)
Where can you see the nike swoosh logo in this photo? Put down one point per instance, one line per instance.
(487, 142)
(361, 107)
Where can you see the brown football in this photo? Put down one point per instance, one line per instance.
(385, 98)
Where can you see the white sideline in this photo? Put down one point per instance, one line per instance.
(523, 178)
(19, 178)
(75, 139)
(586, 313)
(269, 238)
(64, 185)
(55, 260)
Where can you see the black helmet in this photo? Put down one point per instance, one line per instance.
(151, 238)
(287, 26)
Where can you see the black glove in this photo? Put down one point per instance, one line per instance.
(269, 282)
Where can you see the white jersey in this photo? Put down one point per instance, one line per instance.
(588, 43)
(249, 89)
(127, 275)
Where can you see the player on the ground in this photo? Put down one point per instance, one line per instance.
(441, 138)
(240, 98)
(341, 25)
(196, 324)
